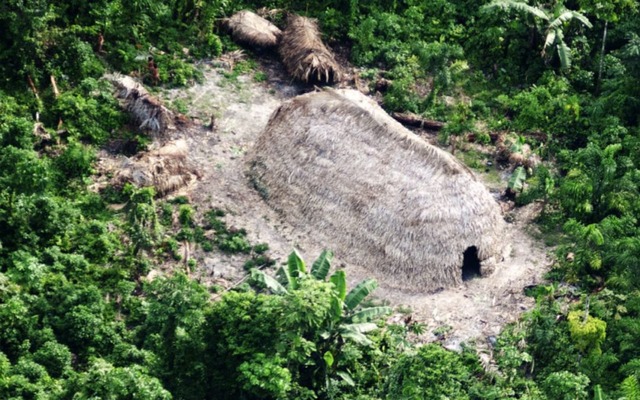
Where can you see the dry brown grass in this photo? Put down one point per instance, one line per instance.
(305, 55)
(334, 163)
(251, 29)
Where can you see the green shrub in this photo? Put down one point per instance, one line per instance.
(166, 214)
(171, 247)
(432, 373)
(185, 215)
(185, 234)
(235, 243)
(76, 161)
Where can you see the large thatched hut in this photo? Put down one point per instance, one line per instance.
(304, 54)
(251, 29)
(335, 164)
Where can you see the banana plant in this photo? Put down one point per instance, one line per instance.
(349, 320)
(555, 21)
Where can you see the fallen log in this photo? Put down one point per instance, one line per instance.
(417, 121)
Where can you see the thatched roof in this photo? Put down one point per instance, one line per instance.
(335, 164)
(304, 54)
(147, 111)
(253, 30)
(166, 169)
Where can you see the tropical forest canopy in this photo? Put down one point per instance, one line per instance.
(77, 321)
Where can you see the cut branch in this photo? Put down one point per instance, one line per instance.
(32, 86)
(56, 92)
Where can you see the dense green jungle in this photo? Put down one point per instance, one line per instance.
(77, 321)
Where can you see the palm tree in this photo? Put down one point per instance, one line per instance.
(555, 22)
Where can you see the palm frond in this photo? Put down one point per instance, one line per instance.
(339, 280)
(632, 48)
(565, 16)
(370, 314)
(268, 281)
(356, 332)
(321, 266)
(518, 6)
(582, 18)
(568, 15)
(551, 38)
(363, 327)
(357, 337)
(565, 55)
(295, 267)
(358, 293)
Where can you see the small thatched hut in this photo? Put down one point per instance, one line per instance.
(251, 29)
(305, 55)
(166, 169)
(335, 164)
(146, 110)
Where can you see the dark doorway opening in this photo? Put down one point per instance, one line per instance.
(470, 264)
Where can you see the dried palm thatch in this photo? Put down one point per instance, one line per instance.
(251, 29)
(304, 54)
(335, 163)
(147, 111)
(166, 169)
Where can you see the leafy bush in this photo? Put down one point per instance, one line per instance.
(431, 373)
(185, 215)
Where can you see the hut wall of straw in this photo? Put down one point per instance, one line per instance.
(251, 29)
(305, 55)
(336, 164)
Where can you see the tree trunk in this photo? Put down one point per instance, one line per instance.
(604, 40)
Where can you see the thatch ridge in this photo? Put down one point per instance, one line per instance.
(251, 29)
(305, 55)
(336, 163)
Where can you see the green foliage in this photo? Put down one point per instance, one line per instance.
(601, 182)
(566, 386)
(142, 217)
(89, 112)
(265, 376)
(321, 265)
(411, 51)
(518, 177)
(630, 388)
(76, 162)
(173, 331)
(587, 333)
(322, 310)
(106, 381)
(185, 215)
(431, 373)
(555, 22)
